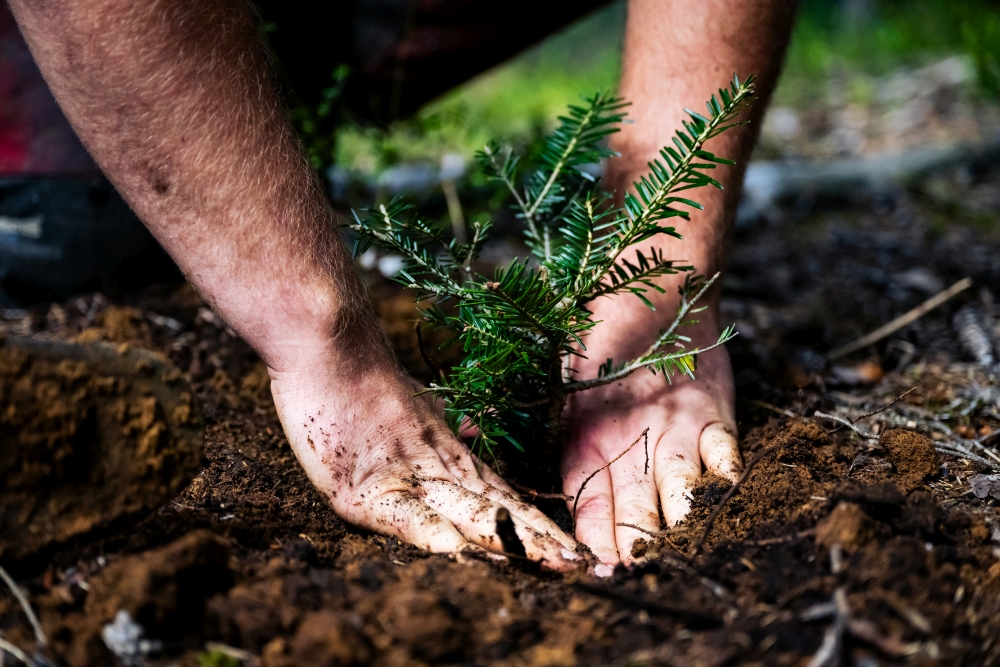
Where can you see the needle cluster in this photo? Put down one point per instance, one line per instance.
(518, 327)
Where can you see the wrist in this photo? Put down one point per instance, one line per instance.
(318, 331)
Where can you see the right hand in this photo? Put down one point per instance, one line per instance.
(388, 463)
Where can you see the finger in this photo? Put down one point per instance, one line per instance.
(483, 480)
(595, 522)
(635, 501)
(400, 514)
(527, 513)
(475, 516)
(720, 451)
(676, 474)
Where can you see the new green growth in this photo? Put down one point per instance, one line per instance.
(518, 327)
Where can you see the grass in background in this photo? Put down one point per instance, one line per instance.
(867, 38)
(517, 102)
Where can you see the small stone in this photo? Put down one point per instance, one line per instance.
(985, 485)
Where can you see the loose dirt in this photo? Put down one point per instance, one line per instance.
(246, 560)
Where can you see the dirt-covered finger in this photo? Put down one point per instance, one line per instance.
(527, 513)
(676, 474)
(479, 478)
(400, 514)
(480, 520)
(494, 487)
(595, 511)
(720, 451)
(635, 501)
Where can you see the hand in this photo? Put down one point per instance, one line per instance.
(691, 424)
(386, 462)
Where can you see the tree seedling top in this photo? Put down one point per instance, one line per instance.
(518, 327)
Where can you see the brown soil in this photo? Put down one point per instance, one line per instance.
(247, 560)
(88, 442)
(913, 456)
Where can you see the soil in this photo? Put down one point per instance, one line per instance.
(92, 436)
(245, 563)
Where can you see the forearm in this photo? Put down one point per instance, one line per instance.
(677, 54)
(174, 100)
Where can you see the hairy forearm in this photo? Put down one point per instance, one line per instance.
(677, 54)
(174, 100)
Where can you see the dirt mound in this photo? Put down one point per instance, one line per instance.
(913, 455)
(91, 435)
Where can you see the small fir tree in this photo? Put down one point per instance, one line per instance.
(518, 327)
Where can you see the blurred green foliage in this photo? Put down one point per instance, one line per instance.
(217, 659)
(848, 41)
(874, 37)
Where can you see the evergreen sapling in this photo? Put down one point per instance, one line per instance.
(518, 327)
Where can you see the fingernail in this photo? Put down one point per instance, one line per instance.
(603, 570)
(569, 555)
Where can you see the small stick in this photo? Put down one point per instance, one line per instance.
(645, 435)
(882, 409)
(844, 422)
(576, 501)
(23, 601)
(775, 408)
(423, 353)
(901, 321)
(732, 491)
(651, 533)
(16, 652)
(663, 534)
(886, 406)
(962, 453)
(537, 494)
(533, 404)
(768, 541)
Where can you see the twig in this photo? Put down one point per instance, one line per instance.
(886, 406)
(732, 491)
(537, 494)
(828, 654)
(962, 453)
(775, 408)
(645, 436)
(533, 404)
(423, 353)
(873, 412)
(843, 422)
(16, 652)
(656, 534)
(867, 632)
(651, 533)
(26, 606)
(769, 541)
(576, 501)
(901, 321)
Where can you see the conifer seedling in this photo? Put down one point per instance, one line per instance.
(518, 327)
